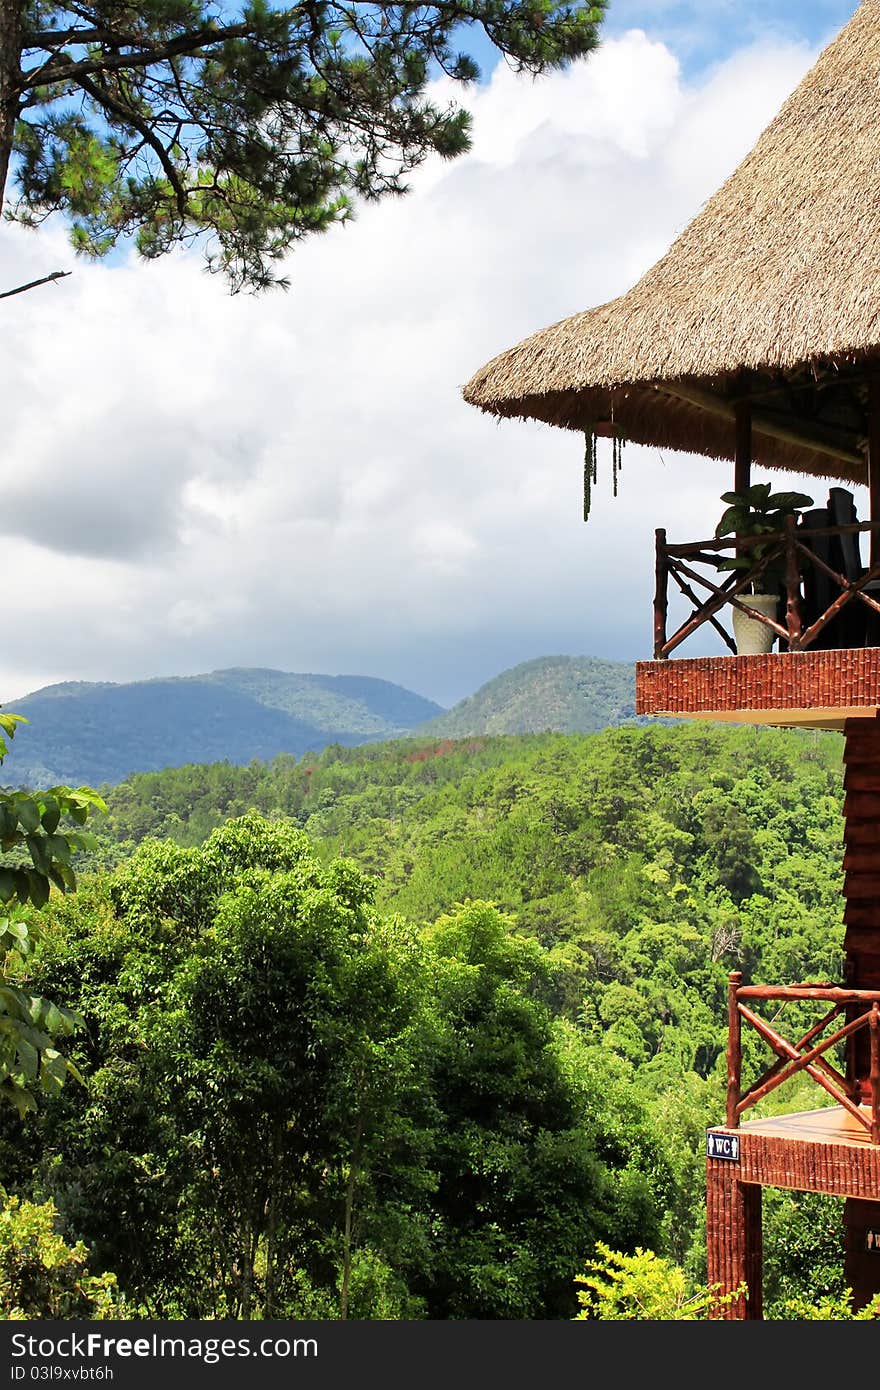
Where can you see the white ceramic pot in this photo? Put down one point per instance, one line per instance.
(753, 637)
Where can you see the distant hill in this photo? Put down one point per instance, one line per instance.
(90, 733)
(565, 694)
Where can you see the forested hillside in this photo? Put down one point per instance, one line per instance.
(82, 733)
(567, 694)
(650, 861)
(486, 977)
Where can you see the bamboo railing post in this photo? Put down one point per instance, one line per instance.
(875, 1073)
(734, 1049)
(661, 594)
(794, 617)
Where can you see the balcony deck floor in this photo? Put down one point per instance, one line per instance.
(810, 1151)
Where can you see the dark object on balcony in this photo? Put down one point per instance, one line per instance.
(845, 552)
(819, 593)
(841, 553)
(850, 625)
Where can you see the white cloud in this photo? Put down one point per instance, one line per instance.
(191, 480)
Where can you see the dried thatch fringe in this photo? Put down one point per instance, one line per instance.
(781, 268)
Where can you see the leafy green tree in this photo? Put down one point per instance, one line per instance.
(36, 857)
(535, 1158)
(646, 1287)
(803, 1231)
(255, 123)
(288, 1044)
(643, 1287)
(41, 1276)
(252, 1123)
(297, 1106)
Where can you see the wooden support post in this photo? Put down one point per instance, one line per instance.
(734, 1049)
(874, 458)
(661, 596)
(875, 1074)
(742, 475)
(733, 1240)
(742, 468)
(794, 615)
(861, 1267)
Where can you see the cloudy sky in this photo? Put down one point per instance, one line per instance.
(193, 481)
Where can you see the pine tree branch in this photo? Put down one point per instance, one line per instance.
(56, 70)
(51, 38)
(129, 117)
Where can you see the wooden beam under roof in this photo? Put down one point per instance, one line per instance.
(806, 434)
(754, 385)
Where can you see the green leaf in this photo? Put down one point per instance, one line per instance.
(53, 1075)
(68, 878)
(82, 839)
(18, 1096)
(59, 847)
(11, 1001)
(37, 849)
(731, 521)
(51, 814)
(39, 887)
(29, 1058)
(28, 813)
(789, 501)
(757, 494)
(22, 884)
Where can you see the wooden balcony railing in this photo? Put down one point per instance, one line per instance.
(807, 1053)
(792, 547)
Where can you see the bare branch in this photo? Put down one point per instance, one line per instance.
(32, 284)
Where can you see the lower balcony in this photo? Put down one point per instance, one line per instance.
(821, 612)
(849, 1024)
(810, 689)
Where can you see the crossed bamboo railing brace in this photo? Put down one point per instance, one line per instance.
(807, 1054)
(671, 561)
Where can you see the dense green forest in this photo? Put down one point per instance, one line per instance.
(415, 1029)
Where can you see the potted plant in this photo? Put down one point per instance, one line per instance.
(757, 512)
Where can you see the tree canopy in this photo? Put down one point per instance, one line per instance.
(248, 125)
(462, 1061)
(298, 1106)
(35, 852)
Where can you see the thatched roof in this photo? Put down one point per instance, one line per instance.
(776, 281)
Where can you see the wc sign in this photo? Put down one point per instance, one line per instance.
(722, 1146)
(872, 1241)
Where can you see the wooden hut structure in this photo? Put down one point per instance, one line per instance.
(757, 338)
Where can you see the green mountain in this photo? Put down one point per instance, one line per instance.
(82, 732)
(564, 694)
